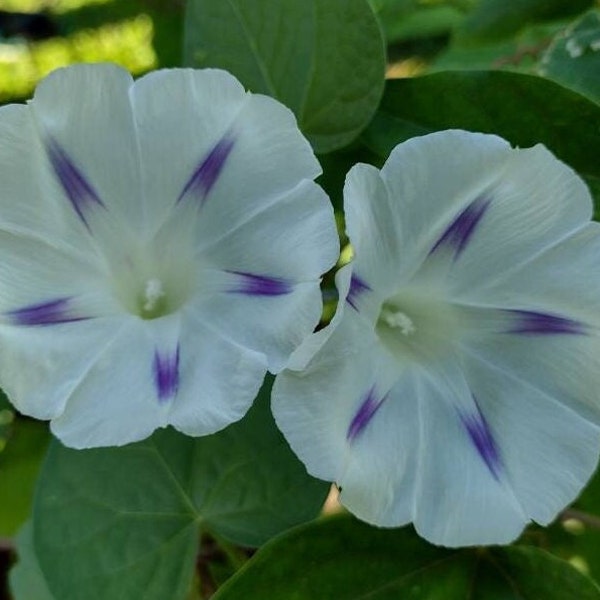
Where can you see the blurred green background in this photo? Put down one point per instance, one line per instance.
(37, 36)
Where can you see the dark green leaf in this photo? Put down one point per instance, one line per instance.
(20, 462)
(344, 559)
(324, 59)
(123, 523)
(495, 19)
(409, 19)
(574, 58)
(27, 581)
(523, 109)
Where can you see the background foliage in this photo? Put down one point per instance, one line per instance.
(180, 518)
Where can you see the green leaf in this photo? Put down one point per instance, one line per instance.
(496, 19)
(124, 523)
(20, 462)
(513, 105)
(26, 580)
(573, 59)
(324, 59)
(413, 19)
(344, 559)
(520, 52)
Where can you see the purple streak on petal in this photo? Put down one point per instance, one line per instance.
(52, 312)
(259, 285)
(77, 188)
(479, 431)
(364, 414)
(459, 233)
(166, 374)
(539, 323)
(357, 287)
(205, 176)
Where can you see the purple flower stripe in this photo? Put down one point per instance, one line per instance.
(259, 285)
(357, 287)
(364, 414)
(539, 323)
(461, 230)
(78, 189)
(205, 176)
(166, 374)
(45, 313)
(479, 432)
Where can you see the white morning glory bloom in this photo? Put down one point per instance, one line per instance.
(162, 243)
(458, 385)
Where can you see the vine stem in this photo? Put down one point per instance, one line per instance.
(572, 513)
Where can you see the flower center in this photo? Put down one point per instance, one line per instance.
(152, 284)
(399, 320)
(414, 325)
(153, 302)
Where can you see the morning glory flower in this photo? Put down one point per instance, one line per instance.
(457, 386)
(162, 243)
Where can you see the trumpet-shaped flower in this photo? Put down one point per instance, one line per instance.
(162, 243)
(457, 386)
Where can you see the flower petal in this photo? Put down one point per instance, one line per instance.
(50, 312)
(564, 367)
(316, 407)
(357, 288)
(270, 324)
(122, 398)
(462, 476)
(207, 174)
(237, 151)
(562, 271)
(251, 284)
(166, 373)
(268, 297)
(84, 113)
(533, 205)
(40, 367)
(534, 322)
(218, 380)
(32, 203)
(427, 183)
(80, 192)
(35, 274)
(549, 451)
(373, 225)
(295, 239)
(461, 230)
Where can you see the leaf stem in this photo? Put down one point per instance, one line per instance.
(590, 520)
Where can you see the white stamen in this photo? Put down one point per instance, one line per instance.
(153, 293)
(400, 320)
